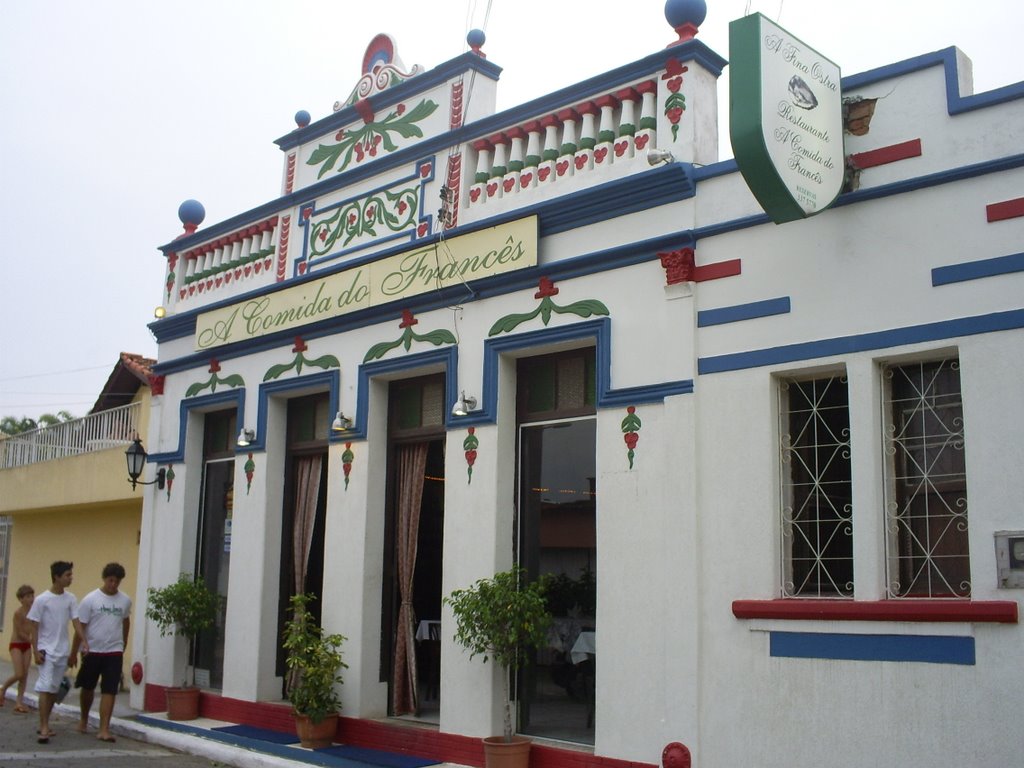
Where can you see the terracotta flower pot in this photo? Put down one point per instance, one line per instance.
(315, 735)
(499, 753)
(182, 703)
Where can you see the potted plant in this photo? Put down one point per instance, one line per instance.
(500, 618)
(314, 661)
(183, 608)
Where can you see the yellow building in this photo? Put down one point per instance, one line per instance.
(65, 495)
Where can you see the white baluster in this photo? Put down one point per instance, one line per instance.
(645, 137)
(478, 191)
(546, 168)
(623, 148)
(500, 168)
(584, 158)
(605, 131)
(567, 150)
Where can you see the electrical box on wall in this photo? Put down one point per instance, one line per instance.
(1010, 559)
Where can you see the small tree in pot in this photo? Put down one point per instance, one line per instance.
(314, 661)
(184, 608)
(500, 618)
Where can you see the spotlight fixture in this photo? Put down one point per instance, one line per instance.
(136, 457)
(341, 423)
(246, 436)
(463, 405)
(655, 156)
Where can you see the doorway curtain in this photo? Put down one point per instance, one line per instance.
(307, 493)
(412, 464)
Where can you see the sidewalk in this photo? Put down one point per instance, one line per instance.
(205, 737)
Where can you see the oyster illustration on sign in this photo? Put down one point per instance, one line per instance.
(802, 95)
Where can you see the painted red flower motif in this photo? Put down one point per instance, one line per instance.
(369, 211)
(641, 141)
(352, 218)
(359, 152)
(543, 173)
(492, 188)
(422, 229)
(400, 109)
(561, 167)
(474, 194)
(675, 84)
(581, 161)
(674, 115)
(339, 135)
(620, 148)
(525, 179)
(323, 235)
(600, 154)
(425, 170)
(402, 205)
(508, 184)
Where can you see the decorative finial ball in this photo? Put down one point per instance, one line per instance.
(476, 38)
(191, 212)
(679, 12)
(302, 118)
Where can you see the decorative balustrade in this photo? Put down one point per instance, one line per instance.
(230, 258)
(96, 432)
(570, 143)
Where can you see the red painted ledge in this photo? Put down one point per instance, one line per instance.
(998, 611)
(884, 155)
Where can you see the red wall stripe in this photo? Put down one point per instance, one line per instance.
(729, 268)
(1008, 209)
(998, 611)
(889, 154)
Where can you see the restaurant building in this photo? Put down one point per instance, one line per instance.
(773, 469)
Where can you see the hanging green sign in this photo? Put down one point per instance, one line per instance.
(785, 119)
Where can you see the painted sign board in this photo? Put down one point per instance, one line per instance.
(484, 253)
(785, 119)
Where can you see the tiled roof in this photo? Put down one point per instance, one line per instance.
(131, 372)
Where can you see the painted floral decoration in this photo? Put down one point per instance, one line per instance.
(631, 432)
(469, 445)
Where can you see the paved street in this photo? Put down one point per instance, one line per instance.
(18, 747)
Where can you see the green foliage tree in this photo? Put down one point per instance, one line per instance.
(314, 660)
(12, 425)
(184, 608)
(500, 618)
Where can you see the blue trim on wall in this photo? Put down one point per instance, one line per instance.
(447, 358)
(974, 270)
(841, 345)
(311, 383)
(928, 649)
(600, 331)
(203, 403)
(738, 312)
(955, 103)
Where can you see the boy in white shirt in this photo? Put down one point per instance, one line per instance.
(105, 618)
(48, 623)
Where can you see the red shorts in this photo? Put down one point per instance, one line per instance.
(16, 646)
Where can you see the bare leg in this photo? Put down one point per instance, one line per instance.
(46, 701)
(22, 660)
(106, 711)
(85, 701)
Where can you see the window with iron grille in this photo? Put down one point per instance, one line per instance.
(817, 513)
(5, 559)
(926, 481)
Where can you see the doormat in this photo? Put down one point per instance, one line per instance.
(377, 757)
(263, 734)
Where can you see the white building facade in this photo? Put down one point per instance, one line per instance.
(774, 469)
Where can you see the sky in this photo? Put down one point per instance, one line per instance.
(112, 112)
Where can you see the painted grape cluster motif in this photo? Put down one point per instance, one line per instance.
(371, 138)
(395, 210)
(675, 104)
